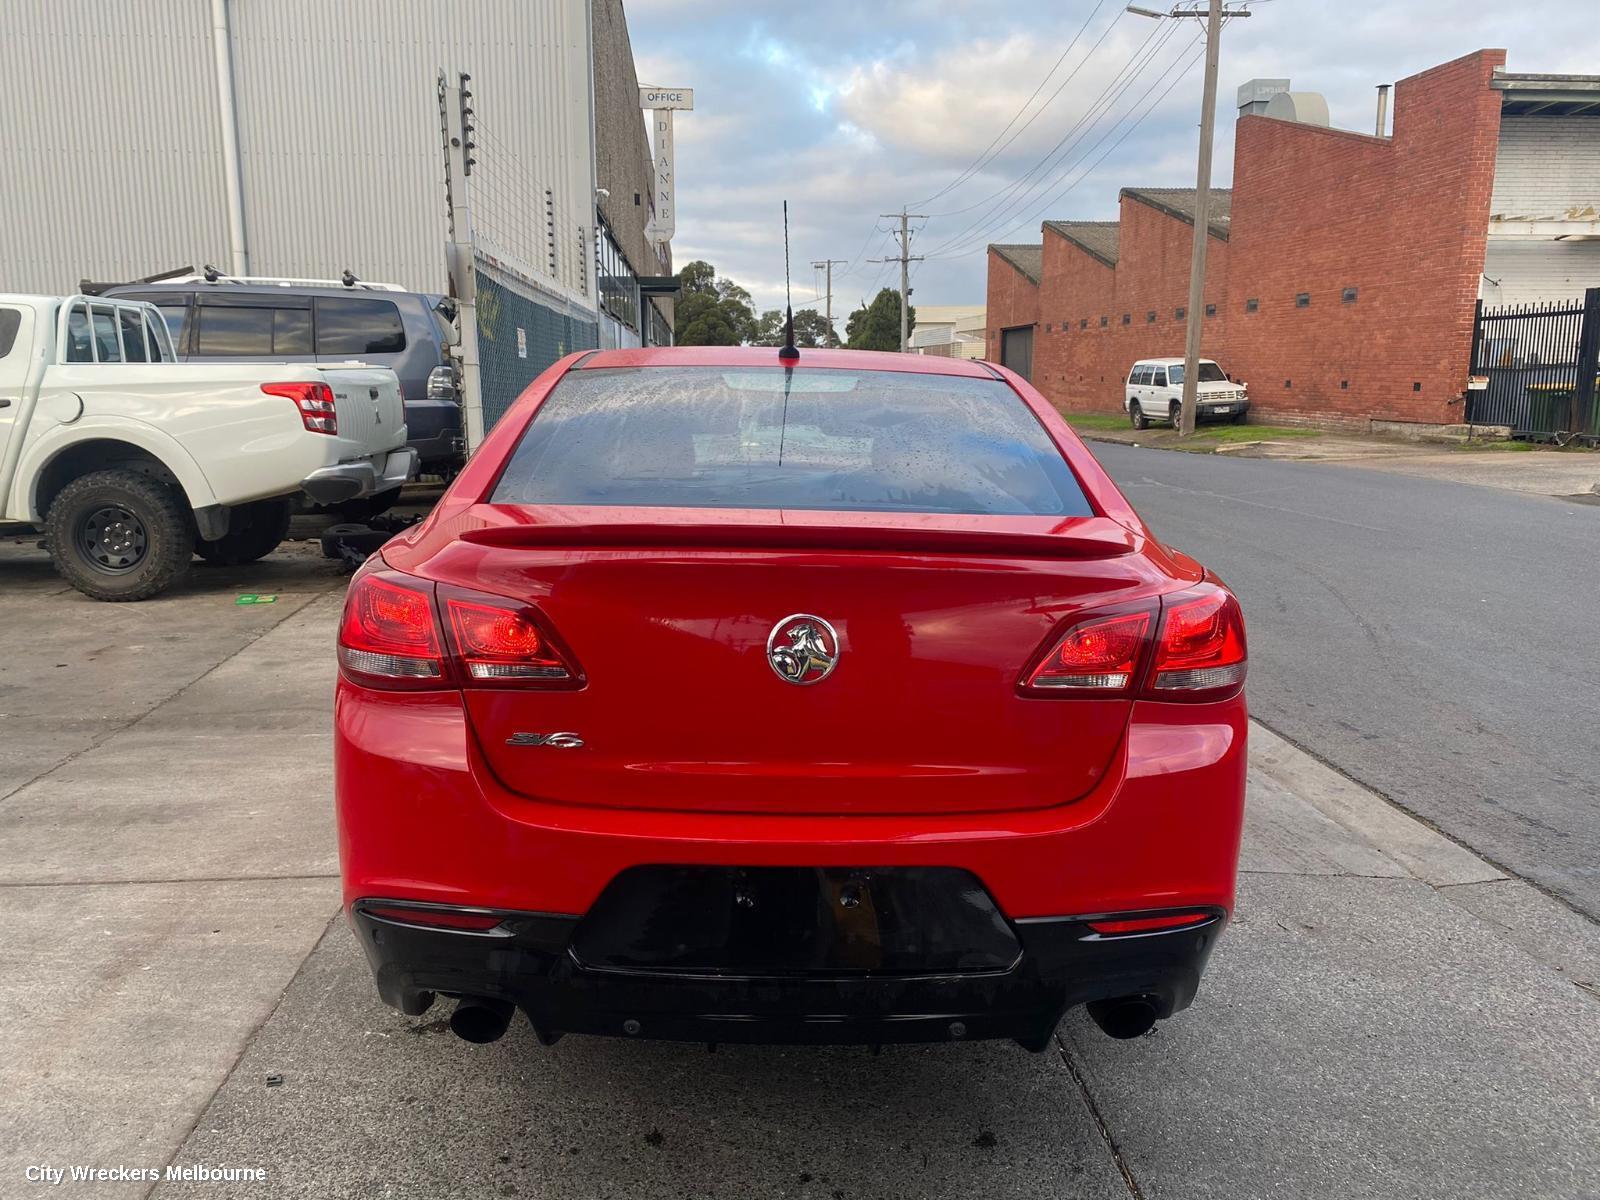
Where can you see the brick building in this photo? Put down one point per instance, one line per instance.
(1343, 268)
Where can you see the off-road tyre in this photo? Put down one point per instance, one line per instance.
(254, 531)
(119, 534)
(1136, 415)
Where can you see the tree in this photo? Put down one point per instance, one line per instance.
(712, 311)
(876, 326)
(811, 330)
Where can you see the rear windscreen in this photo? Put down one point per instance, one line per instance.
(764, 437)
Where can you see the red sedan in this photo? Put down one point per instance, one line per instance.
(731, 698)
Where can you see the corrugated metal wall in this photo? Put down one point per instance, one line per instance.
(117, 171)
(109, 166)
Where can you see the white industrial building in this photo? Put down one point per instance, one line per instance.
(1544, 216)
(949, 330)
(303, 138)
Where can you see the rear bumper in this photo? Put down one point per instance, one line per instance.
(530, 962)
(441, 450)
(364, 477)
(434, 432)
(422, 819)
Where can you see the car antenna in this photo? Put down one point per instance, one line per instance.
(787, 352)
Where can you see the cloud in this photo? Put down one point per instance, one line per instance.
(850, 109)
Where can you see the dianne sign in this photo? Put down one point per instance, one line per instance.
(662, 102)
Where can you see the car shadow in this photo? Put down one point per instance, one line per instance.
(401, 1105)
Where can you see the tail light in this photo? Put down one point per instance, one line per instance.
(501, 641)
(314, 401)
(443, 384)
(1200, 651)
(1101, 654)
(392, 637)
(1197, 651)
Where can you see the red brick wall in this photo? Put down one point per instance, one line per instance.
(1083, 369)
(1402, 220)
(1012, 300)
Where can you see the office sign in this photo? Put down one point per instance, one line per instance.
(661, 103)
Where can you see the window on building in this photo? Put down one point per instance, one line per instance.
(1083, 324)
(619, 287)
(1348, 295)
(1252, 305)
(1180, 314)
(1127, 318)
(1150, 317)
(357, 325)
(660, 328)
(1302, 300)
(1104, 321)
(1211, 310)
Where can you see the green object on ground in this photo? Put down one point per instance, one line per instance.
(1550, 409)
(256, 598)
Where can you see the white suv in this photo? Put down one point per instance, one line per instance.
(1154, 392)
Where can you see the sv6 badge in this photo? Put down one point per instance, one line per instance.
(558, 741)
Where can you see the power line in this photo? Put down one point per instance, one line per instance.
(1138, 56)
(856, 259)
(985, 156)
(946, 253)
(1007, 205)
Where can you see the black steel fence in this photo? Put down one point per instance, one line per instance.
(1535, 367)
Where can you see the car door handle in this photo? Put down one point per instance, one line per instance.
(5, 403)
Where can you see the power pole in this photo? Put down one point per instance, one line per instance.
(905, 259)
(827, 265)
(1213, 12)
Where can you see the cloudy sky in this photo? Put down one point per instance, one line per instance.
(851, 108)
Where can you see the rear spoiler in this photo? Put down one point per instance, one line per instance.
(1081, 537)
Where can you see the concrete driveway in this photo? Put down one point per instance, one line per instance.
(1389, 1015)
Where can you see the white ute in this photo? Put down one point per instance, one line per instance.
(131, 463)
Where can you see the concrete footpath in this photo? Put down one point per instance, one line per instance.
(1542, 472)
(1388, 1016)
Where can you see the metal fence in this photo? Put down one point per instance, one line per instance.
(522, 328)
(1534, 368)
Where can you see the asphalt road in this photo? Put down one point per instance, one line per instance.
(1438, 642)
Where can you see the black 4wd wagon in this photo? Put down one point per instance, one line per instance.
(216, 317)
